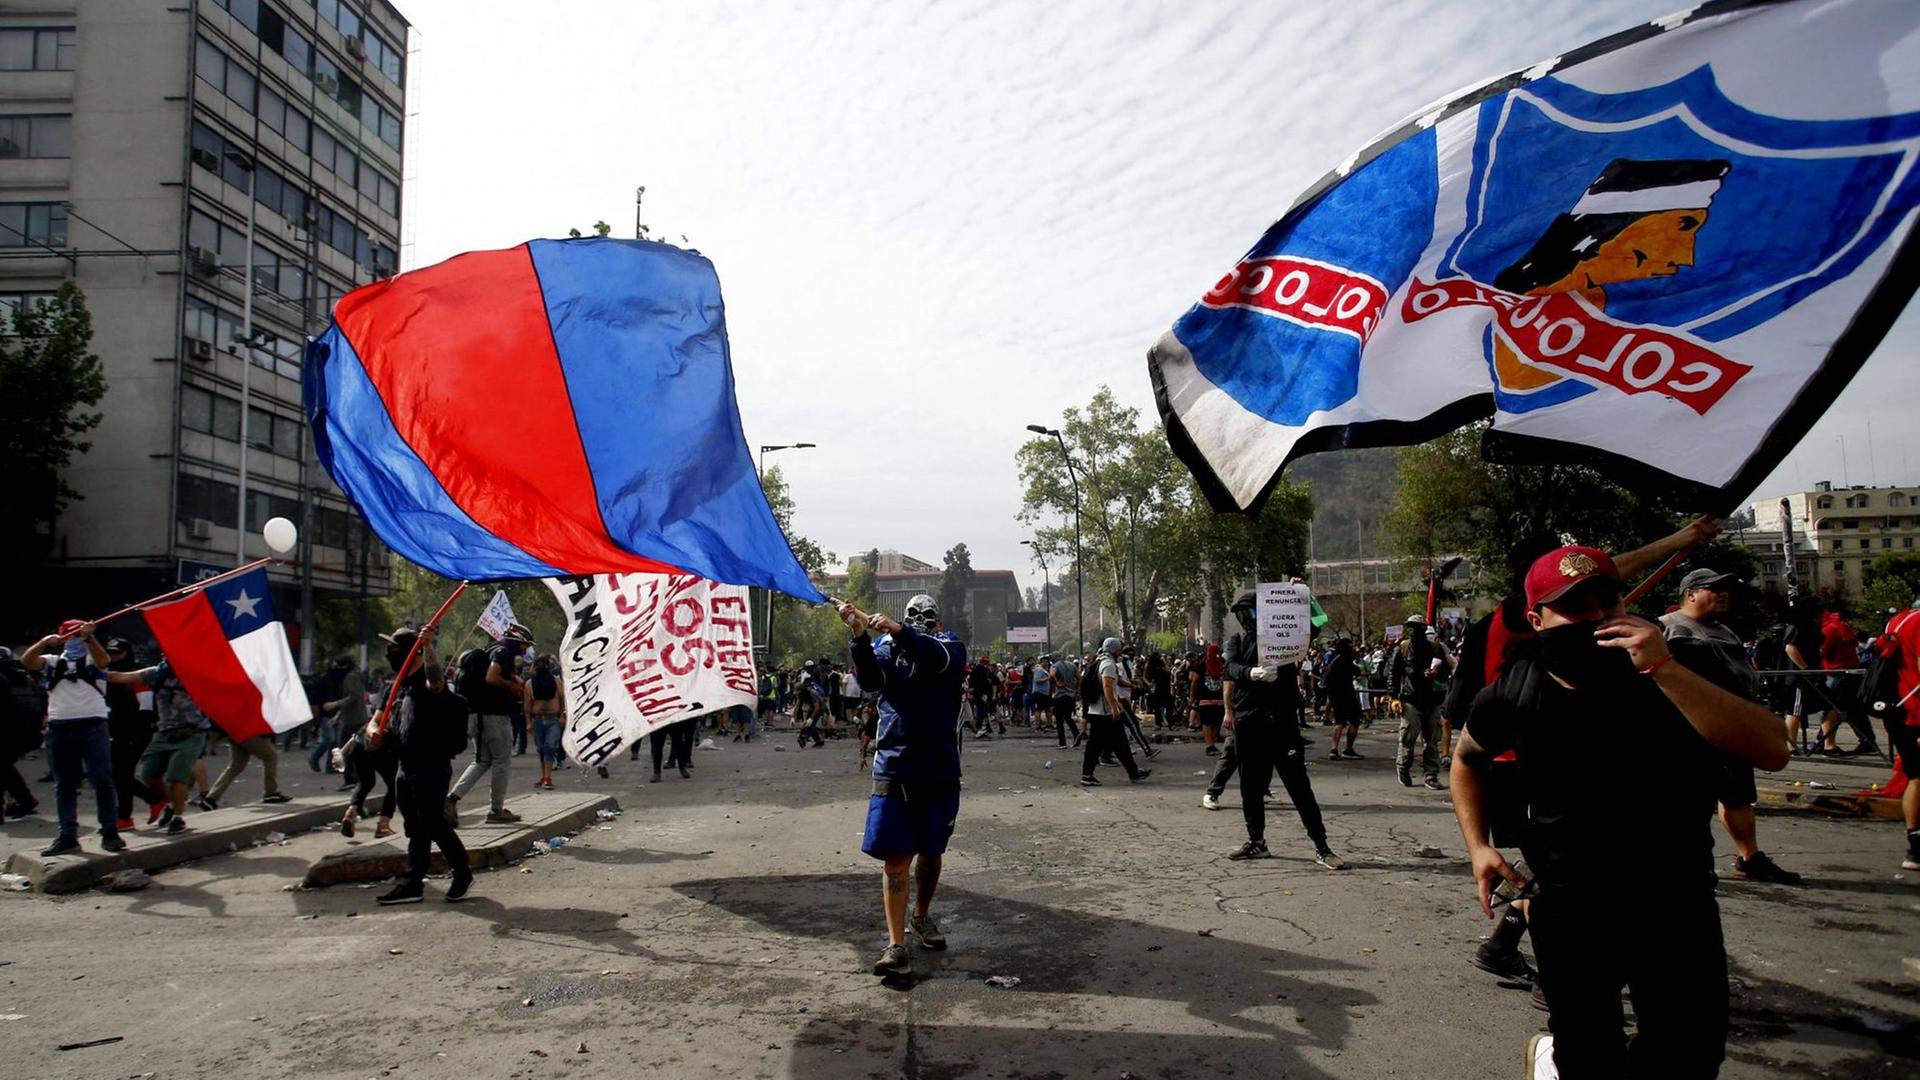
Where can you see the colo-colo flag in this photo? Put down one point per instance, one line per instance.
(1664, 253)
(558, 408)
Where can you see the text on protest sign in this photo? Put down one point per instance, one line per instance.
(1283, 622)
(645, 650)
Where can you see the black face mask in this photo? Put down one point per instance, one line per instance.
(1571, 652)
(1245, 615)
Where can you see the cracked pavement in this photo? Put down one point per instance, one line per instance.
(724, 926)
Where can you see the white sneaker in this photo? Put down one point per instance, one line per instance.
(1540, 1064)
(1209, 802)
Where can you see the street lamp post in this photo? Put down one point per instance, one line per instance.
(761, 470)
(1046, 588)
(1079, 569)
(245, 163)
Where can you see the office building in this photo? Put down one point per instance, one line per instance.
(214, 175)
(1837, 533)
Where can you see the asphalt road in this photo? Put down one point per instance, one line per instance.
(724, 926)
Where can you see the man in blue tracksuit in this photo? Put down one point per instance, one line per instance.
(917, 670)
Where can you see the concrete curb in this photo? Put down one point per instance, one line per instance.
(211, 833)
(488, 846)
(1832, 803)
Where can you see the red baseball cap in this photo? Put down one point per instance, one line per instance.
(71, 627)
(1561, 570)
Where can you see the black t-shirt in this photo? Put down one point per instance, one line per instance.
(498, 700)
(1619, 787)
(981, 680)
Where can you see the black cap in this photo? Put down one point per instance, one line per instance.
(1703, 577)
(1246, 599)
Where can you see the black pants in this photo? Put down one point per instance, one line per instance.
(518, 720)
(129, 741)
(1063, 709)
(1266, 746)
(682, 736)
(1130, 725)
(368, 766)
(1670, 955)
(1104, 734)
(423, 799)
(11, 782)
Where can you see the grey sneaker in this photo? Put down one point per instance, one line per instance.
(895, 962)
(929, 933)
(1325, 857)
(1252, 849)
(502, 817)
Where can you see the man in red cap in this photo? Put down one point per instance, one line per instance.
(77, 736)
(1598, 839)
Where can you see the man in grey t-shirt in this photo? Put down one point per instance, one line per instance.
(1707, 646)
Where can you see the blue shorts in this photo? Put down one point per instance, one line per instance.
(898, 826)
(546, 738)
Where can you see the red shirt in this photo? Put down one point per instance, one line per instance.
(1837, 643)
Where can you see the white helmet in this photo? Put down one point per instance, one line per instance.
(922, 612)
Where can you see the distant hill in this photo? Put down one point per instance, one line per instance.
(1352, 492)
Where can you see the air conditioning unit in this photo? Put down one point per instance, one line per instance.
(356, 48)
(203, 262)
(200, 529)
(200, 350)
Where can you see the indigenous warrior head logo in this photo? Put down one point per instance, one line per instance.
(1577, 565)
(1637, 220)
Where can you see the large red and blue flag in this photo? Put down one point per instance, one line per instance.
(560, 408)
(229, 648)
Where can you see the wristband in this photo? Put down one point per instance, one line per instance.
(1656, 665)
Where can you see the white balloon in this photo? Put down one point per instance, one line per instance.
(281, 535)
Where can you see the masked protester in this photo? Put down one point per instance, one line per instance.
(1588, 668)
(917, 669)
(428, 730)
(1261, 705)
(78, 744)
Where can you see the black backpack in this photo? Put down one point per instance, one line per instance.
(1091, 689)
(23, 702)
(1880, 687)
(470, 676)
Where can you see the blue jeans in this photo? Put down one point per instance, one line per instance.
(79, 748)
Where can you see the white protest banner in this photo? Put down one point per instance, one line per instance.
(1283, 622)
(498, 616)
(644, 650)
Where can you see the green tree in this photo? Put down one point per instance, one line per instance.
(801, 619)
(1891, 581)
(1451, 501)
(956, 585)
(863, 584)
(1153, 546)
(49, 383)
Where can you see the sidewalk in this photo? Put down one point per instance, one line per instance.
(217, 832)
(544, 816)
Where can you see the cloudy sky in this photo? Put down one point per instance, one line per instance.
(937, 223)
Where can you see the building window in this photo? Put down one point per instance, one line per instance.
(385, 57)
(12, 302)
(332, 155)
(207, 412)
(49, 49)
(263, 506)
(33, 225)
(36, 136)
(283, 118)
(1840, 567)
(206, 499)
(1850, 523)
(1865, 543)
(338, 15)
(1838, 543)
(1886, 541)
(1824, 502)
(1897, 499)
(333, 527)
(1906, 541)
(224, 74)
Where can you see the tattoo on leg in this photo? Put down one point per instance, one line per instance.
(896, 879)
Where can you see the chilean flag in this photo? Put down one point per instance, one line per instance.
(227, 645)
(560, 408)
